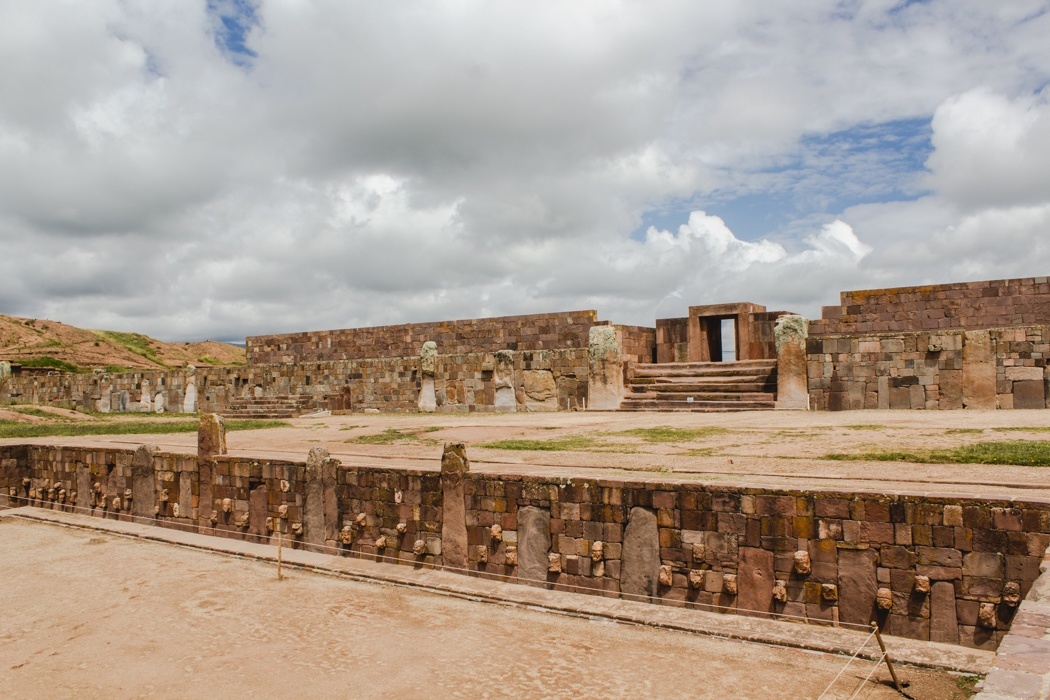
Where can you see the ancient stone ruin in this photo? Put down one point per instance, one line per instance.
(953, 346)
(944, 568)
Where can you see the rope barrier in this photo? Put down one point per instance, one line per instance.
(345, 551)
(848, 662)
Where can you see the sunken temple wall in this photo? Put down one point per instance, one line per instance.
(925, 566)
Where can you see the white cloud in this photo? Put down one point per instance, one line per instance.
(387, 162)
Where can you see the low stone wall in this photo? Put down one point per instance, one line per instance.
(946, 569)
(559, 330)
(543, 380)
(1003, 367)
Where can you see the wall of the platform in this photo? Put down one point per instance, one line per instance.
(943, 568)
(998, 368)
(543, 380)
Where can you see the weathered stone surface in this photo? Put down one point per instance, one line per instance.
(211, 441)
(884, 598)
(857, 586)
(986, 616)
(755, 580)
(84, 487)
(944, 625)
(790, 333)
(640, 565)
(143, 483)
(541, 391)
(1030, 394)
(257, 513)
(427, 366)
(1023, 374)
(503, 378)
(534, 543)
(320, 510)
(978, 371)
(605, 376)
(454, 464)
(802, 563)
(189, 397)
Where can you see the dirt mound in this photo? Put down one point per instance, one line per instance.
(44, 343)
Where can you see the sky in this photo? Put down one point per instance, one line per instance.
(198, 169)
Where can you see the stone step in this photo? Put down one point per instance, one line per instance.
(697, 406)
(705, 396)
(718, 370)
(702, 387)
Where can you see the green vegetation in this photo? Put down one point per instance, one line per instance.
(47, 361)
(573, 442)
(867, 426)
(135, 342)
(12, 429)
(962, 431)
(967, 684)
(32, 411)
(1029, 453)
(388, 437)
(667, 434)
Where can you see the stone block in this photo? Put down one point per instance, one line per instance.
(985, 564)
(857, 586)
(978, 383)
(640, 566)
(1030, 394)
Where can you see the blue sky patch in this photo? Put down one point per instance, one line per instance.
(867, 163)
(234, 20)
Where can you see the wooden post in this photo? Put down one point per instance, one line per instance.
(280, 576)
(886, 656)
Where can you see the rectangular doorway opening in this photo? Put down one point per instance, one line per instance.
(728, 333)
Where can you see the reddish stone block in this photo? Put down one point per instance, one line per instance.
(1006, 518)
(876, 532)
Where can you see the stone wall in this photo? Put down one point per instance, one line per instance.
(637, 343)
(963, 305)
(945, 568)
(480, 335)
(1003, 367)
(543, 380)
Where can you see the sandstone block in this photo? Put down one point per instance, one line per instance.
(534, 543)
(640, 565)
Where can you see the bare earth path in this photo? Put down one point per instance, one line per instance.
(87, 615)
(774, 449)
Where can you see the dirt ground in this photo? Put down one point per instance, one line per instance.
(785, 449)
(89, 615)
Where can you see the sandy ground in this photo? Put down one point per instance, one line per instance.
(764, 448)
(89, 615)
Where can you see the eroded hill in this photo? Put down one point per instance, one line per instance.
(44, 343)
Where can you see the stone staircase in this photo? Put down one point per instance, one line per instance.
(268, 407)
(748, 385)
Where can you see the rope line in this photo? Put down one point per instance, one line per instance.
(848, 662)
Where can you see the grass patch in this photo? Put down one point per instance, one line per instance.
(574, 442)
(387, 437)
(31, 411)
(963, 431)
(135, 342)
(1028, 453)
(11, 429)
(666, 434)
(1036, 429)
(866, 426)
(51, 362)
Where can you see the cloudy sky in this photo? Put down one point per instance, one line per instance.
(210, 169)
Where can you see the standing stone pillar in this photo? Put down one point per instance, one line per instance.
(978, 370)
(790, 333)
(427, 369)
(640, 566)
(320, 509)
(145, 399)
(143, 483)
(5, 375)
(454, 467)
(534, 544)
(211, 441)
(504, 378)
(605, 369)
(189, 398)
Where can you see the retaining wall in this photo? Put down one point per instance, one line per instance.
(543, 380)
(478, 335)
(998, 368)
(947, 569)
